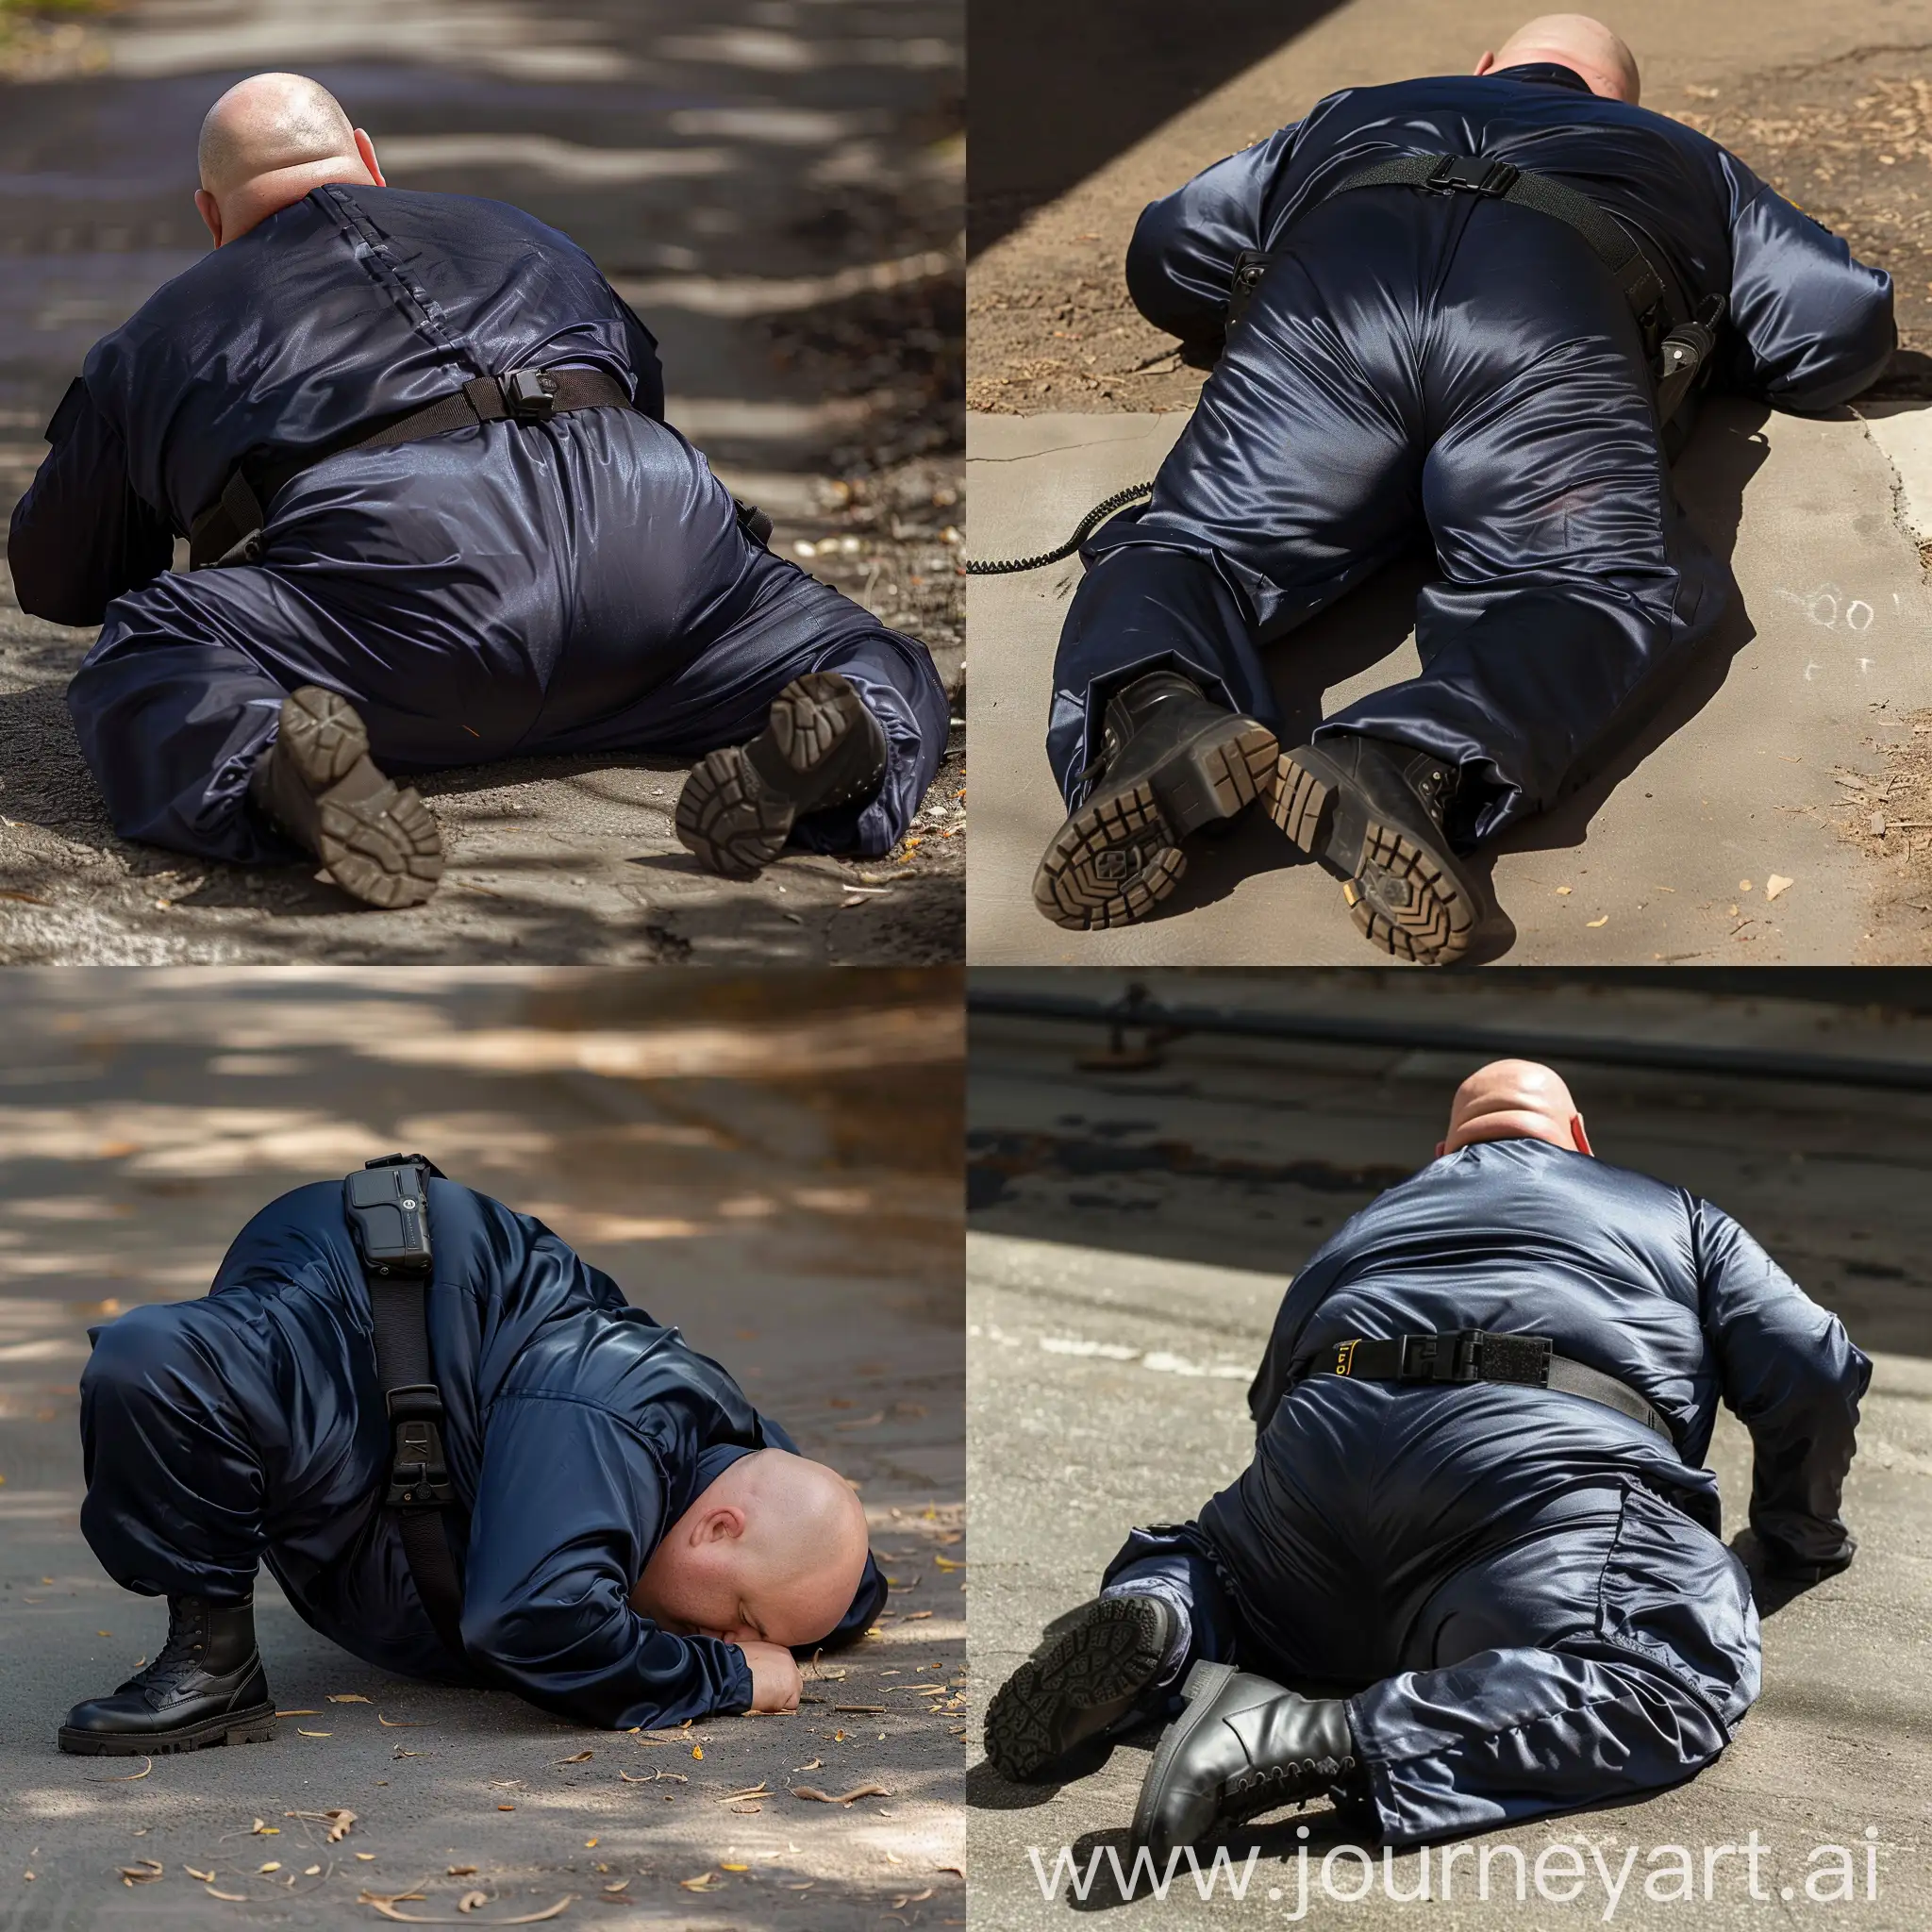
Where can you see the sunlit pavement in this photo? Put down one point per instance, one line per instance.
(772, 1163)
(774, 187)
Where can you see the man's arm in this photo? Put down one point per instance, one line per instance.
(1811, 324)
(1181, 260)
(567, 1505)
(1793, 1378)
(80, 536)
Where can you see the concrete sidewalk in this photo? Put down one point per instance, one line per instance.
(1132, 1236)
(1796, 719)
(801, 1224)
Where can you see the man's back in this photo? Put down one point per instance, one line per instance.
(353, 304)
(1810, 324)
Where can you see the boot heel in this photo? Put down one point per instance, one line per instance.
(1303, 806)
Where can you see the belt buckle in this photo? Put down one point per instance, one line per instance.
(1345, 1355)
(529, 394)
(1473, 174)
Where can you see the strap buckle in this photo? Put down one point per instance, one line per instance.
(1457, 1357)
(1473, 175)
(529, 394)
(418, 1475)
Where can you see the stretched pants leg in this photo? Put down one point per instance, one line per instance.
(1297, 477)
(217, 1435)
(1602, 1656)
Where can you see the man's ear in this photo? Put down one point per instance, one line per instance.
(1582, 1138)
(725, 1523)
(1487, 63)
(366, 148)
(209, 210)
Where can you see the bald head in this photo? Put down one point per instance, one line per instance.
(1575, 41)
(1514, 1100)
(266, 143)
(772, 1550)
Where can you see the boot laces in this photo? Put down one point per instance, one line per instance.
(184, 1654)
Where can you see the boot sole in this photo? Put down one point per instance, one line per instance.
(1119, 856)
(377, 839)
(1401, 895)
(1204, 1685)
(1057, 1701)
(734, 820)
(255, 1725)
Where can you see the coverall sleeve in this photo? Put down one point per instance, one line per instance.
(1181, 260)
(1811, 324)
(80, 536)
(568, 1506)
(1793, 1377)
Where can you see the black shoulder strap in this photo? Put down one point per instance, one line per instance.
(387, 1207)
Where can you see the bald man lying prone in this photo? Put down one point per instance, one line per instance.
(1477, 1503)
(625, 1542)
(435, 518)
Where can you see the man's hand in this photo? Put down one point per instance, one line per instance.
(775, 1679)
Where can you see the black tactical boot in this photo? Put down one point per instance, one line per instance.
(1242, 1747)
(820, 747)
(1171, 762)
(1097, 1671)
(1371, 811)
(207, 1687)
(316, 783)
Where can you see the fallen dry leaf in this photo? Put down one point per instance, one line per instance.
(1594, 922)
(582, 1758)
(704, 1881)
(761, 1789)
(298, 1713)
(389, 1911)
(143, 1874)
(310, 1871)
(461, 1870)
(917, 1616)
(842, 1797)
(947, 1564)
(697, 1750)
(912, 1898)
(471, 1900)
(817, 1764)
(386, 1898)
(347, 1697)
(126, 1777)
(338, 1818)
(301, 1733)
(209, 1877)
(859, 1710)
(630, 1780)
(262, 1828)
(397, 1724)
(616, 1884)
(233, 1898)
(1777, 883)
(272, 1865)
(367, 1858)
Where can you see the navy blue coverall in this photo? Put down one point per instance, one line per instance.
(581, 585)
(1529, 1586)
(1460, 365)
(248, 1428)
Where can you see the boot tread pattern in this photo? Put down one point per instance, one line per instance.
(1112, 1654)
(1119, 856)
(732, 820)
(1401, 901)
(385, 850)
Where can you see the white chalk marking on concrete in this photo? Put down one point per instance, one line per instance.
(544, 154)
(736, 297)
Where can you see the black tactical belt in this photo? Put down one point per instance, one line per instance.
(388, 1209)
(229, 530)
(1679, 349)
(1474, 1354)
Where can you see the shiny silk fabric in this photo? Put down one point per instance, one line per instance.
(1527, 1587)
(576, 586)
(248, 1428)
(1447, 366)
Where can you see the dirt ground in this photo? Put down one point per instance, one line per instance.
(797, 257)
(771, 1161)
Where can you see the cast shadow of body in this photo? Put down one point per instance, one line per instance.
(1724, 452)
(1104, 1860)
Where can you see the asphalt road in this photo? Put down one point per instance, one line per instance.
(771, 1161)
(776, 187)
(1131, 1233)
